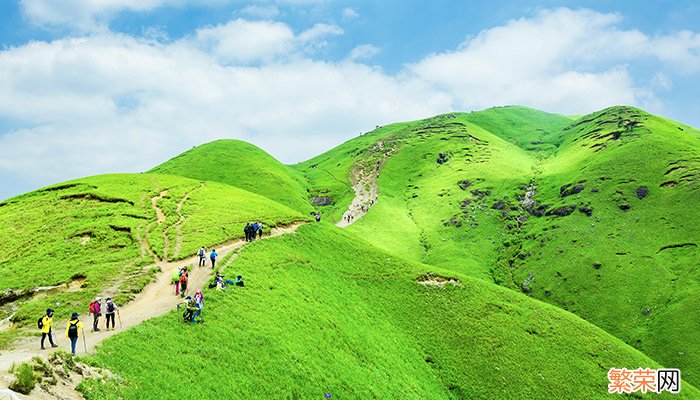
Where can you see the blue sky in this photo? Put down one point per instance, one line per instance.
(120, 85)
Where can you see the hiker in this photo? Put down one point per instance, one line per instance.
(199, 303)
(219, 283)
(175, 278)
(110, 309)
(239, 281)
(260, 229)
(190, 308)
(202, 257)
(44, 324)
(318, 217)
(183, 282)
(72, 331)
(254, 230)
(95, 308)
(212, 257)
(246, 230)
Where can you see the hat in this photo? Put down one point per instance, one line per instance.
(198, 291)
(49, 311)
(98, 298)
(74, 316)
(109, 299)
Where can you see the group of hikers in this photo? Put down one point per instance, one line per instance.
(192, 305)
(74, 328)
(202, 253)
(252, 230)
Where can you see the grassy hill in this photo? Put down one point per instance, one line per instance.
(511, 253)
(63, 244)
(242, 165)
(356, 323)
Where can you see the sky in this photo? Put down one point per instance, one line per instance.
(101, 86)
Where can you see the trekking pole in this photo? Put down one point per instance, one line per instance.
(120, 320)
(84, 344)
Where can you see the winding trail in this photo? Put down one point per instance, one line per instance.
(160, 218)
(366, 194)
(156, 299)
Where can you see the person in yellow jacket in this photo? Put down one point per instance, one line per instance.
(45, 325)
(72, 331)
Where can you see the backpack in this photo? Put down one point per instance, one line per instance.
(201, 252)
(73, 329)
(110, 307)
(40, 323)
(92, 307)
(183, 278)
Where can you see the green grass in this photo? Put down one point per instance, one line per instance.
(242, 165)
(376, 333)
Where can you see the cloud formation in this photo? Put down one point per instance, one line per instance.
(105, 102)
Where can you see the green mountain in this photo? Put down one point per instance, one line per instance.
(510, 253)
(242, 165)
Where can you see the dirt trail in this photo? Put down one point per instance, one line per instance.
(181, 221)
(156, 299)
(365, 186)
(160, 217)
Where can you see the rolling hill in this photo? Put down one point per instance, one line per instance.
(510, 253)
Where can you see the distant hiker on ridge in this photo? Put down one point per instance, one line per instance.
(254, 231)
(202, 256)
(260, 229)
(44, 324)
(110, 309)
(318, 217)
(212, 257)
(72, 331)
(95, 310)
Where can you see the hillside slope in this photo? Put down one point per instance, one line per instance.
(376, 333)
(64, 244)
(457, 196)
(242, 165)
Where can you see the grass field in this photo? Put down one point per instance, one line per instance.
(356, 324)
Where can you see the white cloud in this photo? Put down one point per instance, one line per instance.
(661, 81)
(246, 41)
(261, 11)
(363, 52)
(560, 60)
(349, 13)
(320, 30)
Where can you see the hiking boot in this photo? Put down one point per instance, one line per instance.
(43, 348)
(53, 345)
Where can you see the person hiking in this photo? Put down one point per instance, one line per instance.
(199, 303)
(73, 328)
(260, 229)
(110, 310)
(239, 281)
(175, 278)
(95, 310)
(202, 257)
(246, 230)
(190, 308)
(254, 230)
(44, 324)
(183, 282)
(212, 257)
(318, 217)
